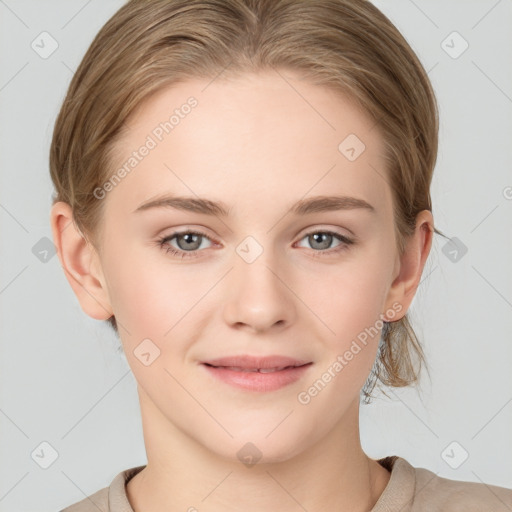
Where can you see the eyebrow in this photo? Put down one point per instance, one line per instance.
(218, 208)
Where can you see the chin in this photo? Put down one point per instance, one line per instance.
(255, 449)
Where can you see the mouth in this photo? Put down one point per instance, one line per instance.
(260, 370)
(247, 362)
(256, 373)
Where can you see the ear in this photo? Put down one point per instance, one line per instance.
(410, 265)
(80, 263)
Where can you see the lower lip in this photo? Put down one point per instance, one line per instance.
(256, 381)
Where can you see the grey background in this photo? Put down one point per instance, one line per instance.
(63, 380)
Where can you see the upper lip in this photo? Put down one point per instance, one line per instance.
(256, 362)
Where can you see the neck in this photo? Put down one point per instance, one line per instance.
(181, 474)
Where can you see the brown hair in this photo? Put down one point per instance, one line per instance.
(347, 45)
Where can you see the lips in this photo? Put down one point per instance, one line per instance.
(247, 363)
(261, 370)
(257, 373)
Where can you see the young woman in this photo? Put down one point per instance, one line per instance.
(242, 191)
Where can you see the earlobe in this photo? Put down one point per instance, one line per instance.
(80, 263)
(411, 264)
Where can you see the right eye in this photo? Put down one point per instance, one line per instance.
(188, 243)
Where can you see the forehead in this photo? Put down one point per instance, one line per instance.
(267, 136)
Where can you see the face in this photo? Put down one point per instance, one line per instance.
(263, 278)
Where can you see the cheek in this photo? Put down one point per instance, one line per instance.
(143, 298)
(352, 311)
(156, 299)
(349, 297)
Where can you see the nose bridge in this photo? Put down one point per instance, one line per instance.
(258, 295)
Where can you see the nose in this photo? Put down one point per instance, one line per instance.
(258, 296)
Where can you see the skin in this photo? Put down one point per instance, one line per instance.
(257, 144)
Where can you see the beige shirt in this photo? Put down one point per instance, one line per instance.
(409, 489)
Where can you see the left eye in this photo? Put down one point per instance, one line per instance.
(323, 239)
(189, 242)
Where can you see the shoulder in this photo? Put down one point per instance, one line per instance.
(97, 502)
(413, 489)
(109, 499)
(434, 493)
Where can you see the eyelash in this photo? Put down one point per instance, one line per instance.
(346, 242)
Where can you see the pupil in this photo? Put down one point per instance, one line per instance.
(324, 242)
(189, 239)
